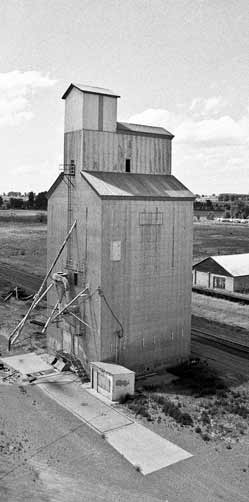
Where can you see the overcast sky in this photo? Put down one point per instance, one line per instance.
(181, 64)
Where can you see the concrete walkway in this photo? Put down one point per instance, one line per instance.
(144, 449)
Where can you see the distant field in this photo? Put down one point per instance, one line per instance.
(22, 254)
(213, 239)
(23, 215)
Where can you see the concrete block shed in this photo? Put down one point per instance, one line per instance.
(112, 380)
(132, 243)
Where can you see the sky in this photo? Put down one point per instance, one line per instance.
(180, 64)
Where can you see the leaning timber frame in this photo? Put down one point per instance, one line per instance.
(40, 293)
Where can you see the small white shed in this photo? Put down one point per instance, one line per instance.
(112, 380)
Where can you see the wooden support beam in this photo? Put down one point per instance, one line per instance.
(81, 293)
(50, 317)
(16, 332)
(56, 259)
(81, 320)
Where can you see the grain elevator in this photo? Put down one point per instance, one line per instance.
(128, 261)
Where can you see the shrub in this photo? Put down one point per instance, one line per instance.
(205, 418)
(171, 409)
(124, 399)
(205, 436)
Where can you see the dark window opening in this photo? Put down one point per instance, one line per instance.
(127, 165)
(75, 278)
(219, 282)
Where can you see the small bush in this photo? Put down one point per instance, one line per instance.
(198, 430)
(238, 409)
(171, 409)
(124, 399)
(205, 436)
(186, 419)
(205, 418)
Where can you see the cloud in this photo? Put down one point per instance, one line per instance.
(196, 130)
(222, 131)
(16, 91)
(208, 143)
(205, 107)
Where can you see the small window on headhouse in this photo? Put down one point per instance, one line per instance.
(127, 165)
(75, 278)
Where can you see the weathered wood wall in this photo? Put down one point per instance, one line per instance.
(104, 151)
(90, 111)
(70, 334)
(149, 288)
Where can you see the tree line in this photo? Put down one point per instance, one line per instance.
(232, 208)
(34, 201)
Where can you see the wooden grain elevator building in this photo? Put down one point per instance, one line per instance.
(132, 243)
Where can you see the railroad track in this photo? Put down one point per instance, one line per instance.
(222, 343)
(224, 295)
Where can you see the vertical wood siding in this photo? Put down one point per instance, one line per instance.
(103, 151)
(73, 111)
(148, 290)
(86, 260)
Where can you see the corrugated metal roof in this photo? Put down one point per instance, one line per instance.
(235, 264)
(144, 129)
(90, 90)
(136, 186)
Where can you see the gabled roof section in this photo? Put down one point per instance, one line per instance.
(110, 185)
(235, 265)
(208, 265)
(90, 90)
(55, 185)
(125, 127)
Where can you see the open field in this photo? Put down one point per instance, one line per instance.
(217, 238)
(22, 255)
(23, 215)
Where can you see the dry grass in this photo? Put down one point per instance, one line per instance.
(200, 399)
(222, 311)
(213, 238)
(22, 255)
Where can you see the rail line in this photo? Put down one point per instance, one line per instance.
(224, 295)
(221, 343)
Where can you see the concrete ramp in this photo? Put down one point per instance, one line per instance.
(27, 363)
(145, 449)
